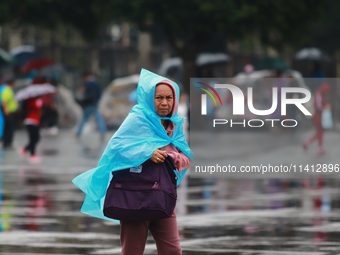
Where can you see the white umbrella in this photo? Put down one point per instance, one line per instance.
(170, 63)
(123, 82)
(203, 59)
(21, 49)
(243, 78)
(312, 54)
(34, 91)
(212, 58)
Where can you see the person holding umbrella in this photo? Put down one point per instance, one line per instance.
(33, 104)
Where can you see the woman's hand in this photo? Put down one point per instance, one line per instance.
(158, 156)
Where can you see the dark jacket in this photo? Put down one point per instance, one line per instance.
(92, 93)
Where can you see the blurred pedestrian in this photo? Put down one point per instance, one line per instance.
(248, 68)
(33, 111)
(292, 109)
(133, 97)
(3, 110)
(318, 76)
(11, 105)
(91, 95)
(182, 190)
(320, 103)
(183, 112)
(279, 83)
(50, 116)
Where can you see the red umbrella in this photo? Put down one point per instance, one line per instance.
(36, 64)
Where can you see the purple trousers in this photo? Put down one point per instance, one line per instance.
(133, 236)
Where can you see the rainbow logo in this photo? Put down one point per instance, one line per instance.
(204, 97)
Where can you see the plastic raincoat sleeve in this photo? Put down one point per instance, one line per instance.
(137, 138)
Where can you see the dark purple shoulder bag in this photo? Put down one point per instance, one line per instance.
(144, 193)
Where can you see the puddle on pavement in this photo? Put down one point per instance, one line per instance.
(40, 214)
(49, 152)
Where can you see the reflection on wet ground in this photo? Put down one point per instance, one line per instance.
(39, 208)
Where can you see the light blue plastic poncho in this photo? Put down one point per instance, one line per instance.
(137, 138)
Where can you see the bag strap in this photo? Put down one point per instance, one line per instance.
(177, 171)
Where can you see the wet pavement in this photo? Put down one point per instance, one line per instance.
(39, 207)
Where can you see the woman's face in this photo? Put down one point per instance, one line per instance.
(164, 100)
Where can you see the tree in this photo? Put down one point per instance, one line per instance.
(189, 25)
(81, 14)
(52, 15)
(326, 34)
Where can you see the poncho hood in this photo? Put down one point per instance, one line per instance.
(146, 93)
(134, 142)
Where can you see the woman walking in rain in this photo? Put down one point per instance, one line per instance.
(152, 131)
(320, 103)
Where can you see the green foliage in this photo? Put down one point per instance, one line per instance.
(190, 24)
(50, 13)
(326, 32)
(277, 22)
(184, 22)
